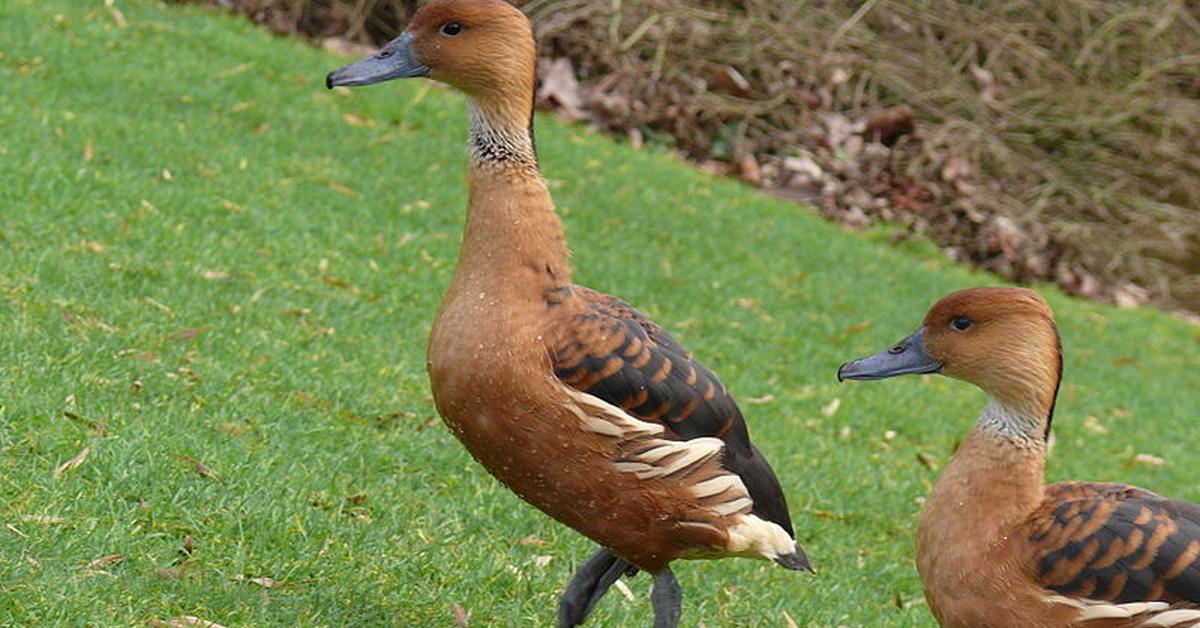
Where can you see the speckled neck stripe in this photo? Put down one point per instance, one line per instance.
(490, 145)
(1012, 425)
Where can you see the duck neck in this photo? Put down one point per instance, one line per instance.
(512, 229)
(993, 481)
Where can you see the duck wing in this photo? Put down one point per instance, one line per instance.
(1116, 543)
(611, 351)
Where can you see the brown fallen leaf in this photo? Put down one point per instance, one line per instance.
(927, 461)
(116, 13)
(204, 471)
(345, 47)
(186, 334)
(184, 621)
(1150, 459)
(560, 90)
(105, 561)
(74, 462)
(624, 589)
(889, 125)
(460, 615)
(529, 540)
(264, 582)
(44, 519)
(727, 80)
(356, 120)
(858, 328)
(95, 427)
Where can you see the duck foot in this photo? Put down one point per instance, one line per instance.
(667, 599)
(588, 585)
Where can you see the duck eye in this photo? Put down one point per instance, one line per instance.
(452, 28)
(960, 323)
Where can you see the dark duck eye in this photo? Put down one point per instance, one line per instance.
(452, 28)
(960, 323)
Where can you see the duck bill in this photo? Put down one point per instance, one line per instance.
(906, 358)
(395, 60)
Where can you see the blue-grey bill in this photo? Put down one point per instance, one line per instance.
(395, 60)
(906, 358)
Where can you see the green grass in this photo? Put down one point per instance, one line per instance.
(207, 259)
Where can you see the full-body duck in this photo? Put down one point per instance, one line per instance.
(574, 400)
(997, 548)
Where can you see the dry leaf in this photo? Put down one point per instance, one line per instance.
(858, 328)
(624, 589)
(345, 47)
(214, 275)
(73, 462)
(757, 401)
(43, 519)
(727, 80)
(355, 120)
(116, 13)
(542, 560)
(560, 91)
(529, 540)
(788, 621)
(95, 427)
(184, 621)
(105, 561)
(831, 408)
(1092, 424)
(207, 472)
(89, 149)
(1149, 459)
(266, 583)
(460, 615)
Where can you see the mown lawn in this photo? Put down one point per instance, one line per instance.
(216, 281)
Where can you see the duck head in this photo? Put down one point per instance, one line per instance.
(1003, 340)
(483, 47)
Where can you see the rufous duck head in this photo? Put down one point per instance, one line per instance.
(483, 47)
(1003, 340)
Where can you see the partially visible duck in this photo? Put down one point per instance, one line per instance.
(574, 400)
(996, 548)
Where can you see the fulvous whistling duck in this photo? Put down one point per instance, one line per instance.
(574, 400)
(996, 548)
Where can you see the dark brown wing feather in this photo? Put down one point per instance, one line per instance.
(1117, 543)
(611, 351)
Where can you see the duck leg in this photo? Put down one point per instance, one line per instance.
(588, 585)
(667, 599)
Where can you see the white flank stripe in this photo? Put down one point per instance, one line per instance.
(715, 486)
(1171, 619)
(728, 508)
(694, 451)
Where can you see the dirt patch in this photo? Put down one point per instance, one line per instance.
(1039, 140)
